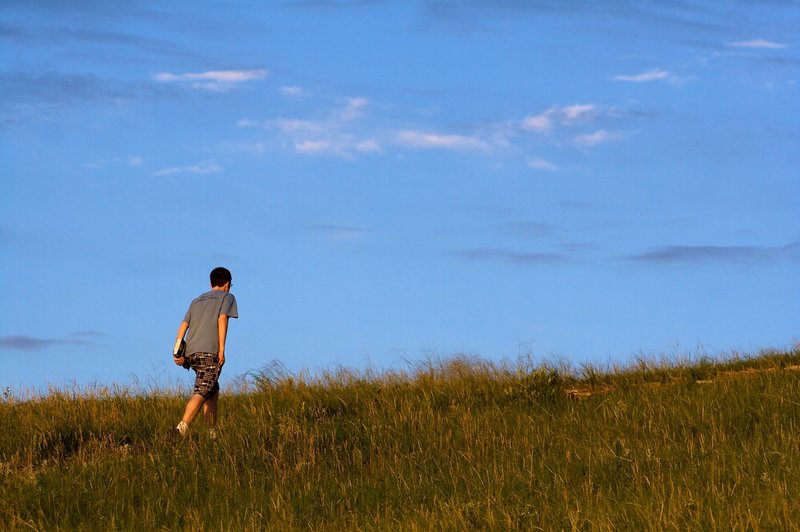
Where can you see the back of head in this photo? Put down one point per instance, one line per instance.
(220, 276)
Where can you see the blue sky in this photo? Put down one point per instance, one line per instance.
(389, 181)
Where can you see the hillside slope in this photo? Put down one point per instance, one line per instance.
(453, 444)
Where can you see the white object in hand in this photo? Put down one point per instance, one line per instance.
(177, 346)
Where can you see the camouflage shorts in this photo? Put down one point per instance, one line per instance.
(206, 366)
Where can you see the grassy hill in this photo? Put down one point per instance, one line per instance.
(455, 444)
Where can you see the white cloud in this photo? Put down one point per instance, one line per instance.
(541, 123)
(346, 131)
(293, 91)
(206, 167)
(214, 80)
(758, 43)
(333, 135)
(368, 146)
(316, 146)
(221, 76)
(329, 136)
(341, 146)
(593, 139)
(554, 116)
(650, 75)
(135, 160)
(290, 126)
(353, 109)
(416, 139)
(577, 112)
(541, 164)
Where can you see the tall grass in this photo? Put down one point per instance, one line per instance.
(449, 444)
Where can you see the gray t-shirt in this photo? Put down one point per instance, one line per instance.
(202, 318)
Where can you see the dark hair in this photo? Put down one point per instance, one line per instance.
(220, 276)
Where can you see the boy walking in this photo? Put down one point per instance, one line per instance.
(207, 324)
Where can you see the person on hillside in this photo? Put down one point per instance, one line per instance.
(207, 324)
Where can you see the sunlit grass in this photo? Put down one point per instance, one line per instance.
(459, 443)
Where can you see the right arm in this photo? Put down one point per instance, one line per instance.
(181, 334)
(222, 330)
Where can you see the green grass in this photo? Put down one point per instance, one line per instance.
(457, 444)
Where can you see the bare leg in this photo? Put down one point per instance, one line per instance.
(192, 408)
(210, 410)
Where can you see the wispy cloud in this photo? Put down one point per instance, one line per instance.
(319, 146)
(529, 230)
(334, 134)
(427, 140)
(512, 257)
(100, 164)
(547, 120)
(354, 108)
(340, 147)
(336, 144)
(350, 128)
(596, 138)
(44, 95)
(368, 146)
(718, 254)
(206, 167)
(542, 164)
(293, 91)
(577, 125)
(340, 233)
(758, 43)
(214, 80)
(343, 147)
(31, 343)
(650, 75)
(291, 126)
(672, 22)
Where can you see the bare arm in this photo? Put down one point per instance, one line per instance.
(222, 326)
(182, 330)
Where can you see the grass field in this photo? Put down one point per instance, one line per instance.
(457, 444)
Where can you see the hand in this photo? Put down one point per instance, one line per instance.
(221, 358)
(178, 361)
